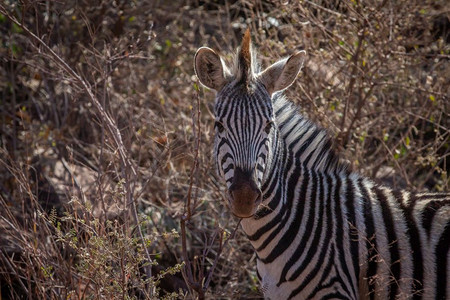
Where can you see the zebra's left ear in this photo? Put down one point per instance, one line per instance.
(283, 73)
(209, 68)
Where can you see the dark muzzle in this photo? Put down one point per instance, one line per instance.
(245, 195)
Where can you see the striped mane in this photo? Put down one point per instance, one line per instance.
(299, 132)
(244, 65)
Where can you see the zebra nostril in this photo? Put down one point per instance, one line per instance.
(243, 201)
(243, 178)
(244, 194)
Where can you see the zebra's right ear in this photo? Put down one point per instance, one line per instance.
(283, 73)
(209, 68)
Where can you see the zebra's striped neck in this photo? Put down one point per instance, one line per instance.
(305, 140)
(297, 144)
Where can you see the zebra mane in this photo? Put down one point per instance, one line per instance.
(305, 138)
(245, 66)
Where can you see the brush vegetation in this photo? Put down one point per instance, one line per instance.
(107, 183)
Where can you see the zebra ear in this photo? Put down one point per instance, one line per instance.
(283, 73)
(209, 68)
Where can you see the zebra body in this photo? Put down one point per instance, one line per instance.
(319, 230)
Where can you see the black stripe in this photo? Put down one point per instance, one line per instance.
(325, 273)
(308, 158)
(273, 179)
(323, 250)
(415, 243)
(429, 211)
(300, 135)
(273, 234)
(281, 218)
(227, 169)
(441, 252)
(276, 186)
(220, 145)
(263, 156)
(285, 106)
(287, 121)
(332, 161)
(258, 275)
(412, 203)
(229, 109)
(353, 231)
(340, 238)
(432, 196)
(313, 249)
(259, 168)
(314, 272)
(275, 221)
(324, 148)
(309, 229)
(291, 232)
(301, 126)
(392, 241)
(318, 233)
(371, 243)
(305, 145)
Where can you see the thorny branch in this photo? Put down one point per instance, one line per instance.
(187, 208)
(353, 77)
(199, 285)
(113, 130)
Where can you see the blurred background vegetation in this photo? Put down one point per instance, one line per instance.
(106, 136)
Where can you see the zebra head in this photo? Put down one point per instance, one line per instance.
(245, 124)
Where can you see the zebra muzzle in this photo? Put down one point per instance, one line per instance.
(244, 195)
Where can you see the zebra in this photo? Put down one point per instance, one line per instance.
(319, 230)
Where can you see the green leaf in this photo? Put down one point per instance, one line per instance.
(16, 28)
(333, 106)
(432, 98)
(396, 154)
(403, 151)
(363, 136)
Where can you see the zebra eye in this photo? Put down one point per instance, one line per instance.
(219, 126)
(268, 127)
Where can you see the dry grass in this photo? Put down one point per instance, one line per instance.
(128, 128)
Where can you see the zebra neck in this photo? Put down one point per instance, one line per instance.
(298, 147)
(275, 161)
(304, 140)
